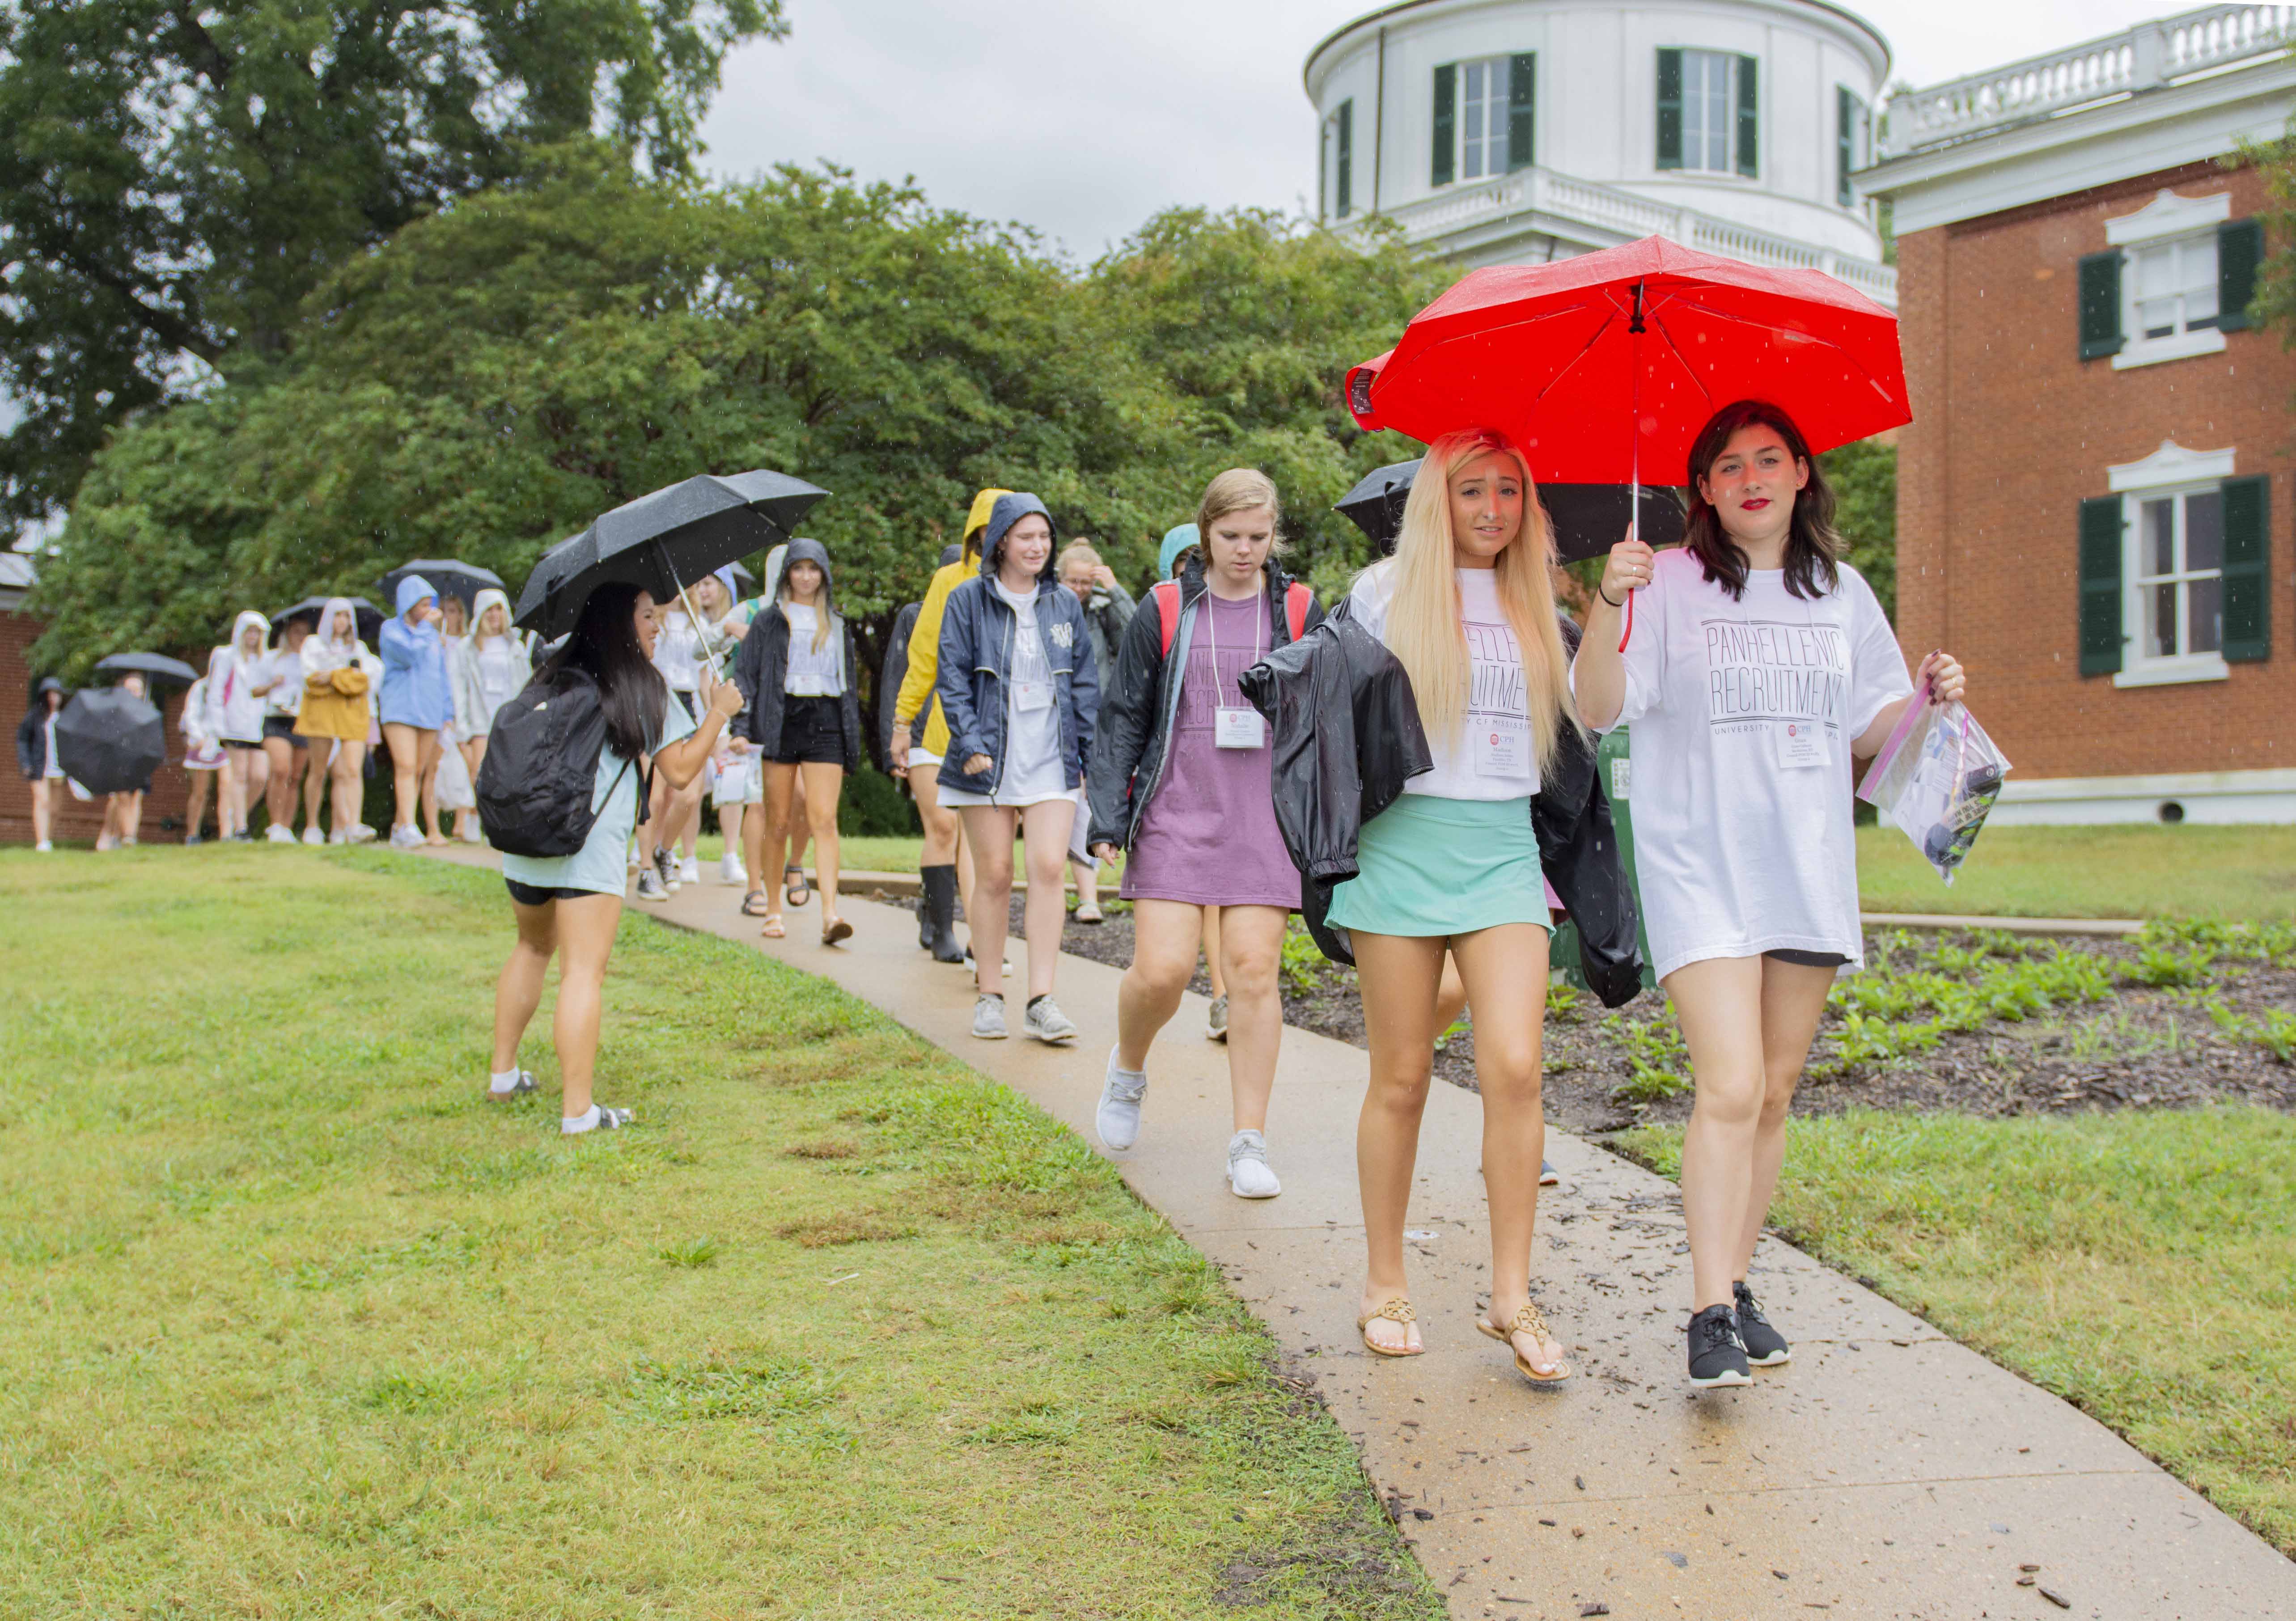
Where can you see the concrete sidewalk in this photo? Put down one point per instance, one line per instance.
(1886, 1472)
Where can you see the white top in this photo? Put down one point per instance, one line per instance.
(1743, 714)
(499, 676)
(1491, 755)
(234, 708)
(285, 698)
(56, 767)
(813, 672)
(1032, 736)
(679, 649)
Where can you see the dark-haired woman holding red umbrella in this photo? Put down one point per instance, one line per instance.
(1758, 666)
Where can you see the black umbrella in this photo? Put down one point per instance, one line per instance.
(158, 666)
(367, 615)
(1589, 518)
(443, 575)
(663, 541)
(110, 740)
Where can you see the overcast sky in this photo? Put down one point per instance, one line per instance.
(1082, 118)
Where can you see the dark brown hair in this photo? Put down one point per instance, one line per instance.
(1812, 544)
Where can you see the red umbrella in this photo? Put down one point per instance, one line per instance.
(1565, 356)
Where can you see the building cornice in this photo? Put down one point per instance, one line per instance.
(1822, 9)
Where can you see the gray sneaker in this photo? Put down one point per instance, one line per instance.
(1216, 1028)
(1248, 1175)
(649, 886)
(1117, 1120)
(1043, 1020)
(989, 1016)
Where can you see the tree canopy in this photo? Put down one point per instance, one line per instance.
(176, 179)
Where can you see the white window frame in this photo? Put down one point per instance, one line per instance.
(2169, 471)
(1497, 91)
(2167, 219)
(1728, 167)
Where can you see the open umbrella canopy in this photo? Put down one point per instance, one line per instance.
(111, 741)
(444, 575)
(1589, 518)
(158, 666)
(1605, 366)
(369, 616)
(665, 541)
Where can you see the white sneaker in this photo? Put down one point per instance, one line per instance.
(1248, 1175)
(472, 835)
(361, 833)
(730, 872)
(43, 846)
(406, 838)
(1043, 1020)
(277, 834)
(312, 835)
(1118, 1119)
(689, 870)
(989, 1016)
(338, 837)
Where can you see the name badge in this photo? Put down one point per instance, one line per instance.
(1502, 749)
(1800, 743)
(1030, 696)
(1239, 729)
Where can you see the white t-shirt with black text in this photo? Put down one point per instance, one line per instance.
(1744, 713)
(1492, 756)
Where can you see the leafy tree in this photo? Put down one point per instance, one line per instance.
(1864, 480)
(176, 178)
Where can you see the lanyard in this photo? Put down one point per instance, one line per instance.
(1211, 635)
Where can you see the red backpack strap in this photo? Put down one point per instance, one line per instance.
(1167, 593)
(1296, 596)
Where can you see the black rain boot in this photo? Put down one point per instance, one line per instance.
(939, 884)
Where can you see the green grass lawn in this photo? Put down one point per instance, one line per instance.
(2133, 871)
(2142, 1265)
(296, 1324)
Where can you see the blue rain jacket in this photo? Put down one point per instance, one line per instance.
(414, 691)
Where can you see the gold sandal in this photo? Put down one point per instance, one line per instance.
(1397, 1310)
(1527, 1321)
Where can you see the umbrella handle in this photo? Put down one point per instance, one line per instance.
(1626, 633)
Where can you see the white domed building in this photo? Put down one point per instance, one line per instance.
(1512, 132)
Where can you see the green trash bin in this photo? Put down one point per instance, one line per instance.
(1613, 759)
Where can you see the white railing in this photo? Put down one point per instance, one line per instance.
(1603, 211)
(2149, 55)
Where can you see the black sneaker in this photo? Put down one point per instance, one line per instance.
(1766, 1347)
(1717, 1356)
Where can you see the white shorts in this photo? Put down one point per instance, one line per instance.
(741, 780)
(959, 797)
(919, 757)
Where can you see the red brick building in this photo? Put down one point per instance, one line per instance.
(2097, 498)
(76, 822)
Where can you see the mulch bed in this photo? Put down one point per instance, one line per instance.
(2140, 1047)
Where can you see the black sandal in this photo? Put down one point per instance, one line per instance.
(795, 890)
(756, 904)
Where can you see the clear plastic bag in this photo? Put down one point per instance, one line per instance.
(1936, 780)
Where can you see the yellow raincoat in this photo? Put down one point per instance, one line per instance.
(924, 639)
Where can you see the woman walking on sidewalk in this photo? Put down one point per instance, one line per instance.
(945, 866)
(1017, 684)
(239, 674)
(796, 673)
(339, 674)
(36, 758)
(1760, 665)
(1460, 630)
(414, 704)
(1181, 781)
(569, 905)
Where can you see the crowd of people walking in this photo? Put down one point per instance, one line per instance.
(1411, 772)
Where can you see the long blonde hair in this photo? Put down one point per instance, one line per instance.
(1423, 629)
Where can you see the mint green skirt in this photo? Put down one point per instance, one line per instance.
(1428, 866)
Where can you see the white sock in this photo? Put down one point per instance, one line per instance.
(505, 1080)
(573, 1125)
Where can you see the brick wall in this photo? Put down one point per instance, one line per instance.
(77, 822)
(2012, 430)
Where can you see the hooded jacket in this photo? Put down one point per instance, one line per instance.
(1347, 737)
(1134, 729)
(762, 665)
(917, 683)
(234, 708)
(32, 732)
(975, 662)
(323, 655)
(413, 664)
(474, 712)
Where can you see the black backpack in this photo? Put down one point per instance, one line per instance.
(536, 786)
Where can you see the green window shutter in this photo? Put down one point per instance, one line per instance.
(2239, 250)
(1522, 98)
(1446, 110)
(1347, 153)
(1669, 109)
(2101, 638)
(1750, 117)
(2100, 304)
(1845, 143)
(2247, 558)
